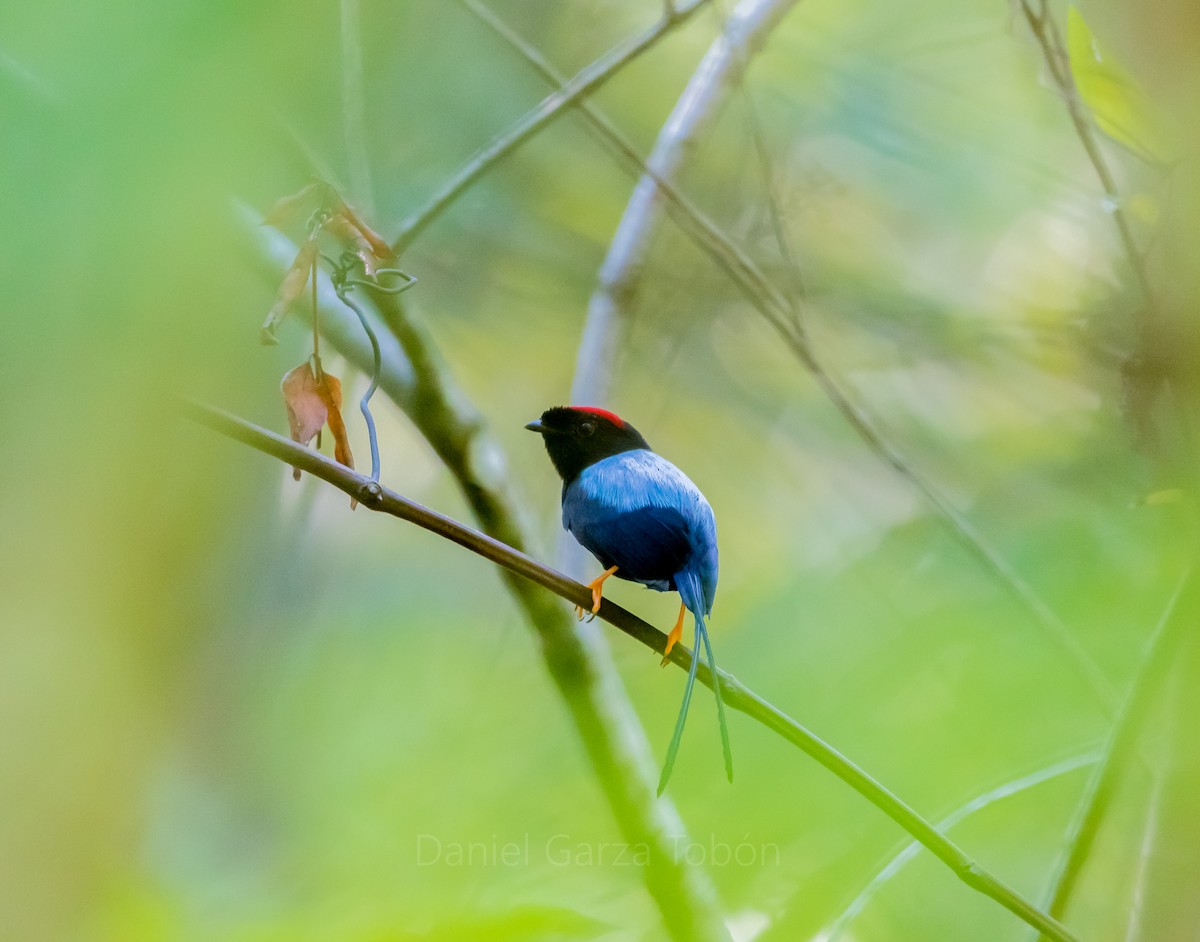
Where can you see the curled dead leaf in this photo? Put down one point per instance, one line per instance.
(319, 195)
(378, 244)
(352, 238)
(314, 400)
(290, 288)
(306, 408)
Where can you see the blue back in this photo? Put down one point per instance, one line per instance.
(639, 512)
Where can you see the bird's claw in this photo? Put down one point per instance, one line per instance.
(673, 637)
(597, 587)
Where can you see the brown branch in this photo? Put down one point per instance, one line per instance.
(736, 695)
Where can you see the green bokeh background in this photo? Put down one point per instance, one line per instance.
(232, 710)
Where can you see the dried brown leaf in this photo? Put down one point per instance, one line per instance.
(290, 288)
(379, 245)
(312, 402)
(288, 208)
(330, 389)
(307, 405)
(350, 236)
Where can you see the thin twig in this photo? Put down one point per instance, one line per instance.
(893, 866)
(722, 250)
(957, 522)
(736, 695)
(583, 84)
(1157, 658)
(1049, 39)
(796, 289)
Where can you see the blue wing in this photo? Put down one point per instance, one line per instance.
(649, 545)
(640, 508)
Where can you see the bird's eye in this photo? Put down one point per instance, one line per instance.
(587, 428)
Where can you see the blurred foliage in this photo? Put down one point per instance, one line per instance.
(1118, 106)
(232, 710)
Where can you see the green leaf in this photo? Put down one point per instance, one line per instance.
(1119, 107)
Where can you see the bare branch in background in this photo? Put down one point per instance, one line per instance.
(572, 673)
(583, 84)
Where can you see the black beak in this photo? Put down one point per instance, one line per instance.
(536, 426)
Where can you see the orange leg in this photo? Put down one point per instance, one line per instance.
(597, 587)
(675, 635)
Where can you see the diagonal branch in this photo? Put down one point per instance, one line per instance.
(583, 84)
(721, 250)
(838, 926)
(1049, 39)
(736, 695)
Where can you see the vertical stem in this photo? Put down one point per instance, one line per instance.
(316, 316)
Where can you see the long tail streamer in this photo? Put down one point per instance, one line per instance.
(701, 638)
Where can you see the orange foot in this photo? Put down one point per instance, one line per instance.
(597, 587)
(675, 635)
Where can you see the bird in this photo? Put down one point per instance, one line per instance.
(644, 521)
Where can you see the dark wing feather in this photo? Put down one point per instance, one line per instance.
(646, 545)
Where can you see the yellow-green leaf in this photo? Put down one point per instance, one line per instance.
(1119, 107)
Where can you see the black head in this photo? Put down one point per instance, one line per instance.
(577, 436)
